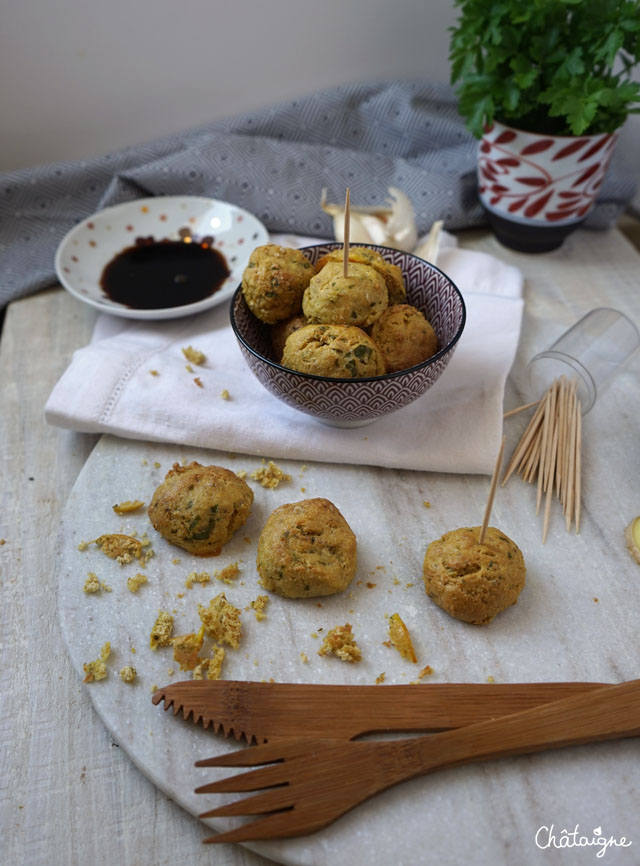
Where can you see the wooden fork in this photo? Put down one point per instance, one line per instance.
(316, 781)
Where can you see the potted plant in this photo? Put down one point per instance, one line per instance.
(544, 85)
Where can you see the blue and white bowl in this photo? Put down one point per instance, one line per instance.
(355, 402)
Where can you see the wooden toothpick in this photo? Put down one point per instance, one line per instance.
(492, 494)
(347, 223)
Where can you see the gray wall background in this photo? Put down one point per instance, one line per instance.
(80, 78)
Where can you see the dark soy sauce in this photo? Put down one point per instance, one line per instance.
(154, 274)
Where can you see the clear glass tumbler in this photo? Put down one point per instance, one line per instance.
(592, 351)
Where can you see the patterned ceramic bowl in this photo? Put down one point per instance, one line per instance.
(355, 402)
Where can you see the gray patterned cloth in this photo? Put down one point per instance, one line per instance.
(274, 162)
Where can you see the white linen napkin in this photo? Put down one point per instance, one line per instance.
(132, 381)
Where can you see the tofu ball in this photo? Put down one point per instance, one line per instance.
(274, 281)
(338, 351)
(471, 581)
(199, 507)
(357, 299)
(282, 330)
(390, 273)
(306, 549)
(404, 336)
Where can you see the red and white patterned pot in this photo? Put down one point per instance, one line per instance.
(537, 188)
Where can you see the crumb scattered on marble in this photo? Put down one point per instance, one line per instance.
(221, 620)
(162, 630)
(128, 674)
(122, 548)
(380, 678)
(211, 668)
(134, 583)
(258, 605)
(225, 395)
(154, 372)
(128, 506)
(400, 638)
(186, 648)
(304, 657)
(188, 368)
(202, 577)
(341, 643)
(97, 670)
(229, 573)
(426, 504)
(157, 465)
(270, 475)
(491, 679)
(198, 381)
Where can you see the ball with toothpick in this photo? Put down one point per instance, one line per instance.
(474, 573)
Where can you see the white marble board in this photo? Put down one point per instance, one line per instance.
(557, 631)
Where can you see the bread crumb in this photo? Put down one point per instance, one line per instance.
(380, 678)
(229, 573)
(97, 670)
(188, 368)
(426, 671)
(202, 578)
(134, 583)
(122, 548)
(198, 381)
(128, 506)
(491, 679)
(186, 648)
(212, 667)
(270, 475)
(258, 605)
(154, 688)
(157, 465)
(225, 394)
(128, 674)
(400, 638)
(596, 599)
(92, 583)
(221, 620)
(341, 643)
(161, 631)
(194, 355)
(154, 372)
(371, 585)
(3, 541)
(426, 504)
(241, 473)
(305, 658)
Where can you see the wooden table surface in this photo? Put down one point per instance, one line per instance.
(69, 795)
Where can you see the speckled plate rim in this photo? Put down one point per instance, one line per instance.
(306, 376)
(121, 212)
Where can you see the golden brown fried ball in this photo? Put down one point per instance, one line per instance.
(274, 281)
(338, 351)
(357, 299)
(200, 507)
(404, 336)
(306, 549)
(390, 273)
(471, 581)
(282, 330)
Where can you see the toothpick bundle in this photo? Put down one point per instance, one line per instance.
(549, 452)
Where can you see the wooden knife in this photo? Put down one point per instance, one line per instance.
(262, 711)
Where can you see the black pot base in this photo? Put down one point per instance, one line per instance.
(527, 238)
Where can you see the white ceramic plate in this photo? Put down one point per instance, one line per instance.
(89, 246)
(482, 814)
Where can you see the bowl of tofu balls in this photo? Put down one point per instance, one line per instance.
(345, 344)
